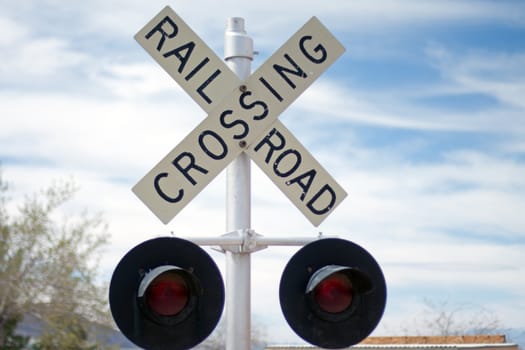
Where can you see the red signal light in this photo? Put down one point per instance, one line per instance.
(168, 294)
(335, 293)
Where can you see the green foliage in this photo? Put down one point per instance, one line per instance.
(12, 341)
(68, 334)
(48, 267)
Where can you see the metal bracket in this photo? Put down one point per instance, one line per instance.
(248, 241)
(241, 241)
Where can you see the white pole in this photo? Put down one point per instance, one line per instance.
(255, 242)
(238, 52)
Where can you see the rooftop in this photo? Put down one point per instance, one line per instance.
(471, 342)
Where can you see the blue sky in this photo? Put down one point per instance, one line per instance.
(422, 121)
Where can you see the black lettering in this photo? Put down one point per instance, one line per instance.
(163, 34)
(310, 205)
(305, 185)
(162, 193)
(203, 86)
(293, 168)
(219, 140)
(318, 49)
(184, 170)
(271, 89)
(282, 70)
(197, 68)
(229, 125)
(245, 105)
(187, 48)
(272, 147)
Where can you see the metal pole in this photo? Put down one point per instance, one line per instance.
(238, 53)
(255, 242)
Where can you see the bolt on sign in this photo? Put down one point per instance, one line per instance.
(242, 117)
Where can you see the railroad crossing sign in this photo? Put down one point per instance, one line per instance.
(242, 116)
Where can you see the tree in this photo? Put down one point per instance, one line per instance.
(48, 267)
(13, 341)
(446, 319)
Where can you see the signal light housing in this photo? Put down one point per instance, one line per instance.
(332, 293)
(166, 293)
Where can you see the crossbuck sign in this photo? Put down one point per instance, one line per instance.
(242, 117)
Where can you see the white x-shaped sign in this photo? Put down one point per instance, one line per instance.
(242, 116)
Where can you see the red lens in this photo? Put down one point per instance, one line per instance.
(167, 294)
(334, 294)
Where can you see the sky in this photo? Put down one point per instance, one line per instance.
(421, 121)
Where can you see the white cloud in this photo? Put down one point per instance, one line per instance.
(136, 81)
(110, 136)
(394, 108)
(26, 56)
(17, 32)
(499, 75)
(121, 19)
